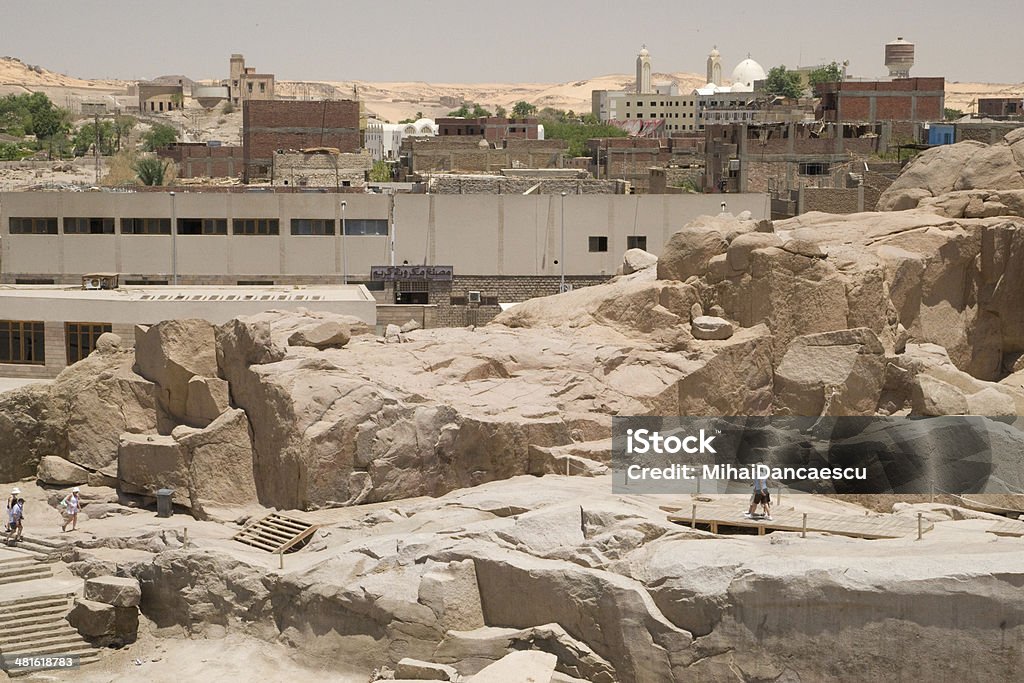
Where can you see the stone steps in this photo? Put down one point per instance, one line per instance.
(36, 625)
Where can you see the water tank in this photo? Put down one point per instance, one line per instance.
(899, 57)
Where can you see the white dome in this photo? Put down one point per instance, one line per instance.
(714, 52)
(746, 72)
(644, 52)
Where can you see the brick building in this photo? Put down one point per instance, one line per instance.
(199, 160)
(632, 159)
(244, 84)
(1001, 106)
(476, 155)
(901, 99)
(271, 125)
(493, 128)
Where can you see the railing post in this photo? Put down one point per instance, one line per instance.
(693, 517)
(803, 532)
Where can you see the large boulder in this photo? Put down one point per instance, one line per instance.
(30, 426)
(171, 353)
(114, 590)
(831, 373)
(688, 252)
(637, 259)
(149, 462)
(99, 398)
(103, 624)
(220, 462)
(525, 666)
(208, 398)
(709, 327)
(325, 335)
(57, 471)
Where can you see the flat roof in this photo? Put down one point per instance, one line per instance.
(206, 293)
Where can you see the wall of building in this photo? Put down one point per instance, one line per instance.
(125, 308)
(483, 184)
(901, 99)
(483, 235)
(447, 154)
(268, 126)
(989, 132)
(201, 161)
(298, 169)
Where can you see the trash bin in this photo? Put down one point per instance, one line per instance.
(164, 508)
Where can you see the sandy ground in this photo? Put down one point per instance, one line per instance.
(171, 660)
(11, 383)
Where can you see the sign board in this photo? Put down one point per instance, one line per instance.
(395, 273)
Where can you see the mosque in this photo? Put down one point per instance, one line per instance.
(743, 76)
(714, 102)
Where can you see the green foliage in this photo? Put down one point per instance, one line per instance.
(951, 114)
(160, 135)
(381, 172)
(476, 112)
(32, 114)
(783, 83)
(522, 109)
(575, 130)
(123, 126)
(825, 74)
(150, 170)
(501, 112)
(403, 121)
(10, 151)
(85, 138)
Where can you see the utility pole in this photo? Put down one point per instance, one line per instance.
(344, 246)
(96, 145)
(561, 258)
(174, 243)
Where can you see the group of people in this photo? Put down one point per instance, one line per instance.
(69, 508)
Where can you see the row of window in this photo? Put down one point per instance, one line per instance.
(23, 341)
(195, 226)
(598, 243)
(669, 103)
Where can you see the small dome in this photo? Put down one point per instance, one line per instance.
(714, 52)
(644, 52)
(748, 71)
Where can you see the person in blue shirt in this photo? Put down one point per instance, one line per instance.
(761, 497)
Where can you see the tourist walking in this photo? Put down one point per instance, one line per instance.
(11, 501)
(761, 497)
(18, 517)
(69, 510)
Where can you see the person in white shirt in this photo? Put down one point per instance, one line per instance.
(69, 507)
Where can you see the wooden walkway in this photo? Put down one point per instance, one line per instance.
(716, 516)
(276, 533)
(1008, 527)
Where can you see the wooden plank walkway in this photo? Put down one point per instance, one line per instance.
(1007, 527)
(715, 516)
(276, 533)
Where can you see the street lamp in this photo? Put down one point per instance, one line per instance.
(561, 258)
(174, 242)
(344, 248)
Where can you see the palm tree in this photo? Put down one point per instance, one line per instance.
(150, 170)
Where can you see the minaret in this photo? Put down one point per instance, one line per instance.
(643, 72)
(714, 67)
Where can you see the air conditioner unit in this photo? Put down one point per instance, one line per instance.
(100, 281)
(473, 297)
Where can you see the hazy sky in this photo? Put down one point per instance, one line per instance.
(519, 40)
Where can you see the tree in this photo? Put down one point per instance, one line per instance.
(86, 136)
(47, 119)
(160, 135)
(951, 114)
(381, 172)
(561, 125)
(830, 73)
(500, 112)
(522, 109)
(123, 126)
(465, 112)
(150, 170)
(783, 83)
